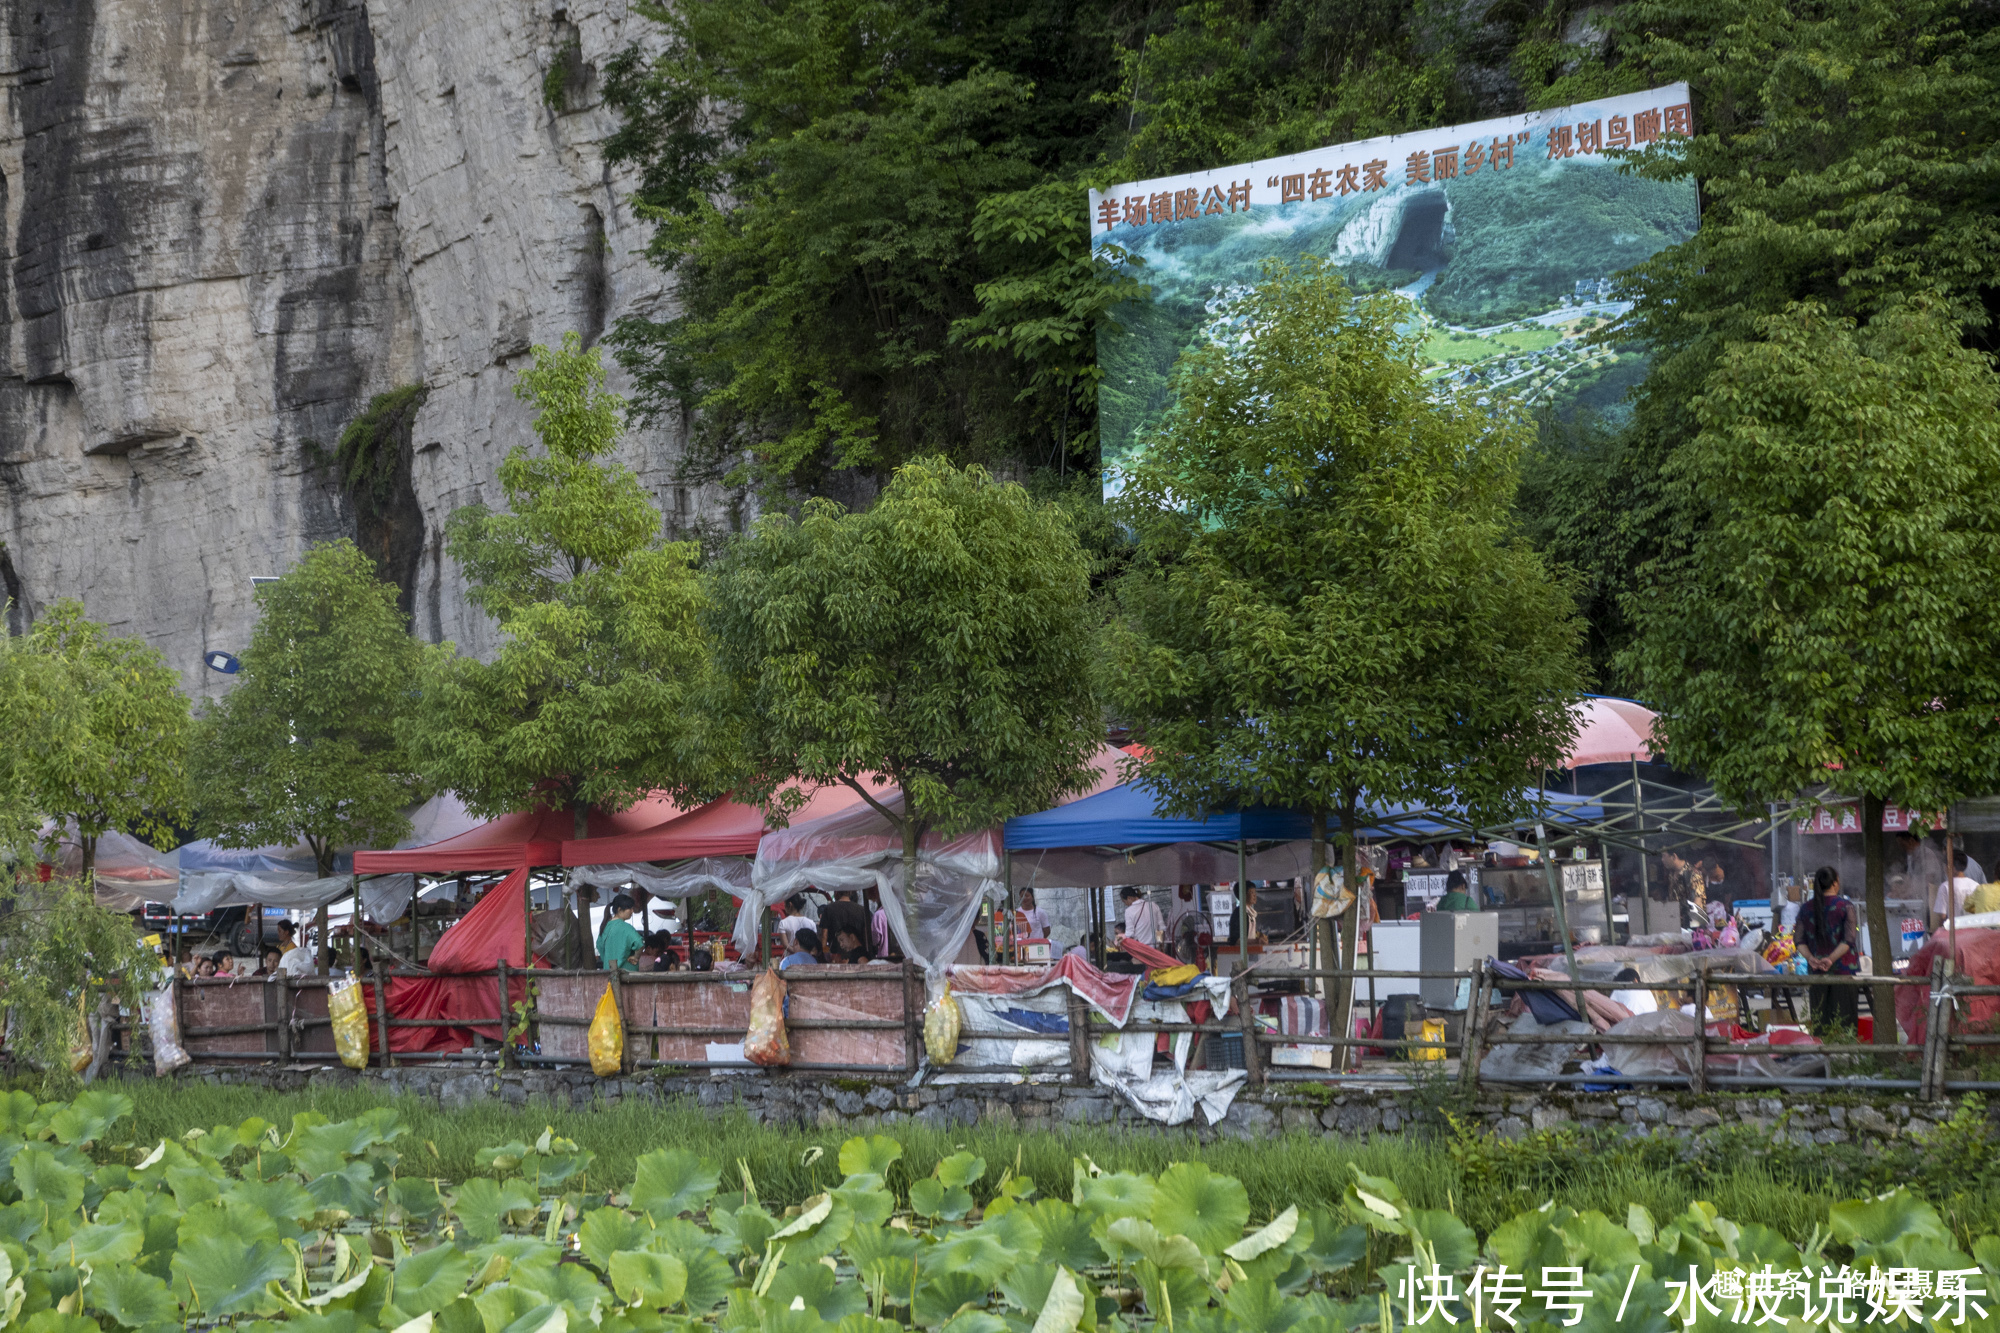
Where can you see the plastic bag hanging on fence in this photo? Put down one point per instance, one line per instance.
(766, 1043)
(349, 1013)
(942, 1023)
(607, 1037)
(168, 1053)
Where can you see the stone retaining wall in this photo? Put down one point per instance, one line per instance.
(815, 1101)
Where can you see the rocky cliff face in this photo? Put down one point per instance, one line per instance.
(228, 225)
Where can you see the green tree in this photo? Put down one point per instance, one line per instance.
(25, 718)
(875, 210)
(56, 946)
(117, 757)
(941, 639)
(589, 703)
(1834, 621)
(304, 748)
(1328, 610)
(1845, 150)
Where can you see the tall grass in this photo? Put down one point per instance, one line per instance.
(1482, 1179)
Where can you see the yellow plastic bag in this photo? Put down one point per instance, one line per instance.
(1431, 1029)
(942, 1021)
(349, 1013)
(607, 1037)
(766, 1042)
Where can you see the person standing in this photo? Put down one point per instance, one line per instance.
(1923, 865)
(1949, 899)
(1686, 886)
(1034, 921)
(1456, 899)
(619, 939)
(1826, 934)
(1142, 918)
(843, 916)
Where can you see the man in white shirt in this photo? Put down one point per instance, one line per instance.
(1953, 894)
(1142, 918)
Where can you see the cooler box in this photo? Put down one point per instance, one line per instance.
(1037, 951)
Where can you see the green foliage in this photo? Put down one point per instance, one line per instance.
(58, 952)
(114, 731)
(940, 640)
(1328, 606)
(588, 703)
(24, 715)
(369, 445)
(1845, 152)
(1833, 622)
(874, 208)
(166, 1239)
(566, 69)
(304, 749)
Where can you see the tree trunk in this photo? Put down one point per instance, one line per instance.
(1339, 1021)
(87, 843)
(1322, 927)
(911, 836)
(1882, 1000)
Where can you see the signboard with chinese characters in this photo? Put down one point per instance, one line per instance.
(1847, 819)
(1504, 238)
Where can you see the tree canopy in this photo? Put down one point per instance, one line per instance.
(874, 210)
(117, 731)
(1833, 622)
(304, 748)
(590, 701)
(940, 640)
(1331, 609)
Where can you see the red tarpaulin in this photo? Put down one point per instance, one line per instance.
(512, 842)
(493, 932)
(1978, 957)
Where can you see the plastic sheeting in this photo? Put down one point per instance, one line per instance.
(1977, 957)
(383, 898)
(859, 849)
(1018, 1018)
(128, 872)
(730, 874)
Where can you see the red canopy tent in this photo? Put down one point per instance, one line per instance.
(515, 841)
(494, 931)
(724, 827)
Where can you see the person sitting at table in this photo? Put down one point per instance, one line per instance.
(805, 949)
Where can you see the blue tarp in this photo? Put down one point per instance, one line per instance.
(204, 855)
(1128, 816)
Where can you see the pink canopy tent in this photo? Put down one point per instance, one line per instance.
(1612, 731)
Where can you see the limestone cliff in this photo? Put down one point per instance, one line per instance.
(228, 225)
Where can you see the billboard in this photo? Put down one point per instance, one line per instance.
(1503, 237)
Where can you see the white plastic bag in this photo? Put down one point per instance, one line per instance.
(168, 1053)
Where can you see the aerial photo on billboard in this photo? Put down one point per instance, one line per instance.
(1505, 237)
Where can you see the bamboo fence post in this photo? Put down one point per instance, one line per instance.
(382, 1014)
(284, 1016)
(1079, 1037)
(618, 1002)
(913, 1015)
(1698, 1076)
(506, 1032)
(1475, 1029)
(1253, 1059)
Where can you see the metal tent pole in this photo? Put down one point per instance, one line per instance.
(1645, 885)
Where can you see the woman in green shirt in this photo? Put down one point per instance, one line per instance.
(619, 939)
(1456, 899)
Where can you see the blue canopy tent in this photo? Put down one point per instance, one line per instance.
(1119, 836)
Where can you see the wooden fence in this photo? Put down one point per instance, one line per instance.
(868, 1020)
